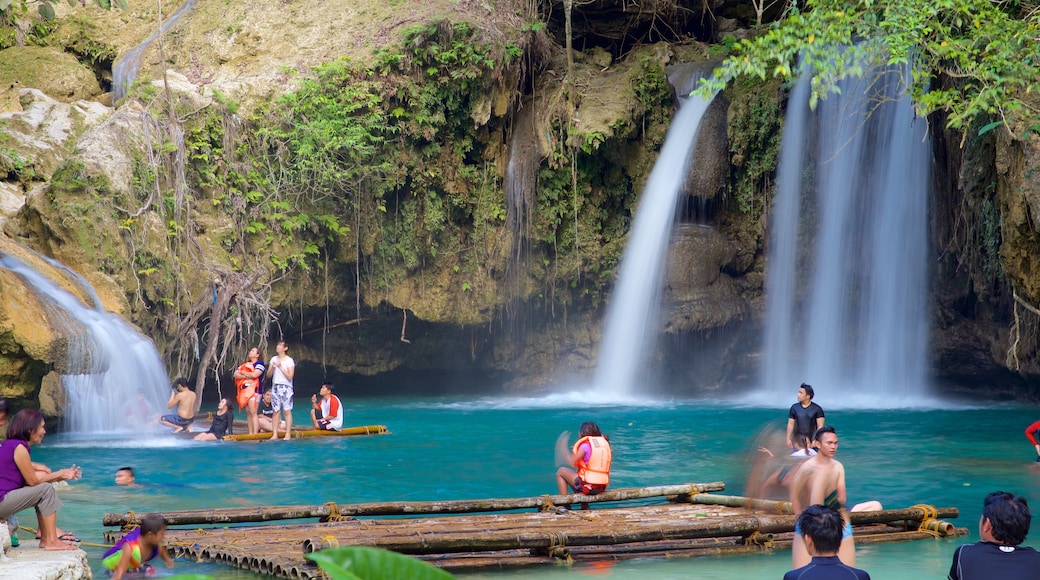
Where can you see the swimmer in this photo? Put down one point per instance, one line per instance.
(133, 551)
(125, 476)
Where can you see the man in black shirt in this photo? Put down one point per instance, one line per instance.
(1002, 527)
(804, 418)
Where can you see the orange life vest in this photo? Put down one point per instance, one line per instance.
(246, 386)
(597, 471)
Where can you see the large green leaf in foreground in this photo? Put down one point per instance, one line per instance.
(364, 563)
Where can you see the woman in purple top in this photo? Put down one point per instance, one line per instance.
(22, 486)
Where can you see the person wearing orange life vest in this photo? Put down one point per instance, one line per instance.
(249, 379)
(591, 455)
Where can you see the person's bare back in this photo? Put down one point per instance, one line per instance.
(185, 401)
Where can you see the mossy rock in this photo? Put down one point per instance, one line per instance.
(50, 70)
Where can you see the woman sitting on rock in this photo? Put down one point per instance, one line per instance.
(22, 486)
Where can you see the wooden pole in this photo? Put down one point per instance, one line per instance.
(263, 514)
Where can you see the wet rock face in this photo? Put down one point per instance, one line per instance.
(698, 293)
(50, 70)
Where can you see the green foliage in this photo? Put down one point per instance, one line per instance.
(754, 141)
(46, 7)
(986, 57)
(365, 563)
(653, 91)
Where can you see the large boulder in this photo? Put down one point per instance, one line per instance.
(49, 69)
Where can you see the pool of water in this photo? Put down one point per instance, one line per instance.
(498, 447)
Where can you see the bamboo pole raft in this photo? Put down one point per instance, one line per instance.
(298, 433)
(691, 523)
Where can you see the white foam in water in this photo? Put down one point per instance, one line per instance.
(113, 376)
(847, 308)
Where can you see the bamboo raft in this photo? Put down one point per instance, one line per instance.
(690, 523)
(299, 433)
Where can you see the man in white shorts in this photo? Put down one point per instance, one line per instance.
(281, 370)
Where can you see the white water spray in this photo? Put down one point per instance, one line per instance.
(632, 314)
(125, 70)
(847, 271)
(112, 375)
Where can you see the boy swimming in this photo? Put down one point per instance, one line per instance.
(133, 551)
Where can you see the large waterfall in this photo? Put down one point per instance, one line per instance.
(847, 273)
(112, 375)
(632, 314)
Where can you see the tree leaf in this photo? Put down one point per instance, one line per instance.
(989, 127)
(46, 11)
(365, 563)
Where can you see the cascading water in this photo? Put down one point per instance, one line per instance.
(632, 314)
(125, 70)
(112, 375)
(847, 270)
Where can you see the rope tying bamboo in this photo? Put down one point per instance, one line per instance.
(929, 524)
(547, 504)
(131, 522)
(334, 515)
(331, 541)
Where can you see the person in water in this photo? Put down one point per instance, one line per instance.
(821, 480)
(1031, 433)
(222, 425)
(821, 528)
(282, 369)
(326, 413)
(805, 417)
(125, 476)
(183, 398)
(249, 378)
(591, 456)
(23, 486)
(133, 551)
(1003, 527)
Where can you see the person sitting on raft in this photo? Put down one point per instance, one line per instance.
(326, 414)
(591, 455)
(248, 380)
(265, 415)
(222, 424)
(183, 398)
(23, 486)
(133, 551)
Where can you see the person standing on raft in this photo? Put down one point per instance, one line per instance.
(282, 369)
(590, 455)
(804, 418)
(1031, 433)
(248, 379)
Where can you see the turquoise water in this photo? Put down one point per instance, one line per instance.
(476, 448)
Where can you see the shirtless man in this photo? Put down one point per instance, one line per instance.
(184, 399)
(820, 480)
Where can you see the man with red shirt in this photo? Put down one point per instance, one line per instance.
(1031, 435)
(326, 414)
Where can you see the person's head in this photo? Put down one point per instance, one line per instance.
(153, 528)
(326, 390)
(589, 429)
(267, 396)
(125, 476)
(805, 393)
(181, 384)
(254, 354)
(800, 441)
(822, 529)
(281, 347)
(222, 405)
(1005, 518)
(27, 425)
(827, 437)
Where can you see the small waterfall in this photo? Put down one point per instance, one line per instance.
(632, 314)
(847, 277)
(112, 375)
(125, 70)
